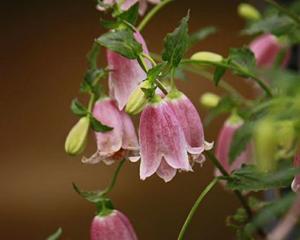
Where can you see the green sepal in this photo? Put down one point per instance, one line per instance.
(98, 126)
(56, 235)
(77, 108)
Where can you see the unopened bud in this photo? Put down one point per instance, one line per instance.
(138, 99)
(77, 137)
(286, 135)
(265, 145)
(207, 56)
(248, 12)
(209, 100)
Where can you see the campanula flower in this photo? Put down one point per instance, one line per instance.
(118, 143)
(114, 226)
(125, 74)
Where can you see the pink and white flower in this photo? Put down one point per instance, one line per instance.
(223, 146)
(143, 4)
(171, 137)
(266, 49)
(114, 226)
(119, 143)
(125, 74)
(296, 182)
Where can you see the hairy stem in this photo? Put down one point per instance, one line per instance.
(195, 207)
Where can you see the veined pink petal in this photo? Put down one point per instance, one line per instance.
(165, 171)
(223, 147)
(190, 122)
(296, 182)
(266, 49)
(125, 74)
(114, 226)
(106, 111)
(130, 141)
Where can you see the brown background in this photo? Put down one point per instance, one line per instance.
(43, 47)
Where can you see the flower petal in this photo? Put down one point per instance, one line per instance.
(165, 171)
(296, 182)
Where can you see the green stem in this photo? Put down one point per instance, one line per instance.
(114, 179)
(239, 195)
(152, 13)
(149, 58)
(285, 11)
(195, 207)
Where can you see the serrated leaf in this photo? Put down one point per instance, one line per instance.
(122, 42)
(248, 178)
(219, 73)
(93, 55)
(201, 35)
(243, 58)
(240, 140)
(56, 235)
(77, 108)
(176, 43)
(98, 126)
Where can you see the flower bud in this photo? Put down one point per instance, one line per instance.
(248, 12)
(207, 56)
(114, 225)
(77, 137)
(265, 145)
(209, 100)
(286, 135)
(137, 99)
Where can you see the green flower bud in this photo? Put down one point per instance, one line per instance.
(209, 100)
(77, 137)
(248, 12)
(265, 145)
(286, 135)
(137, 99)
(207, 56)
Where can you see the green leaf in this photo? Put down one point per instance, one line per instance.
(93, 55)
(248, 178)
(156, 72)
(122, 42)
(131, 15)
(225, 105)
(275, 24)
(77, 108)
(176, 43)
(92, 76)
(91, 196)
(56, 235)
(98, 126)
(201, 35)
(243, 59)
(219, 73)
(272, 211)
(240, 140)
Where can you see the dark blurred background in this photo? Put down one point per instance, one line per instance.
(43, 48)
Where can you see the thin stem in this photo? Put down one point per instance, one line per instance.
(114, 179)
(149, 58)
(195, 207)
(285, 11)
(152, 13)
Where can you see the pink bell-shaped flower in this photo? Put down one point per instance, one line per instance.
(163, 145)
(224, 141)
(296, 182)
(143, 4)
(266, 49)
(189, 119)
(118, 143)
(114, 226)
(125, 74)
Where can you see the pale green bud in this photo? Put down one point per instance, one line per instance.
(248, 12)
(77, 137)
(265, 145)
(207, 56)
(286, 135)
(209, 100)
(137, 99)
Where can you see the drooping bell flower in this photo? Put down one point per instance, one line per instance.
(296, 182)
(189, 120)
(126, 4)
(125, 74)
(164, 149)
(224, 141)
(266, 49)
(117, 144)
(114, 226)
